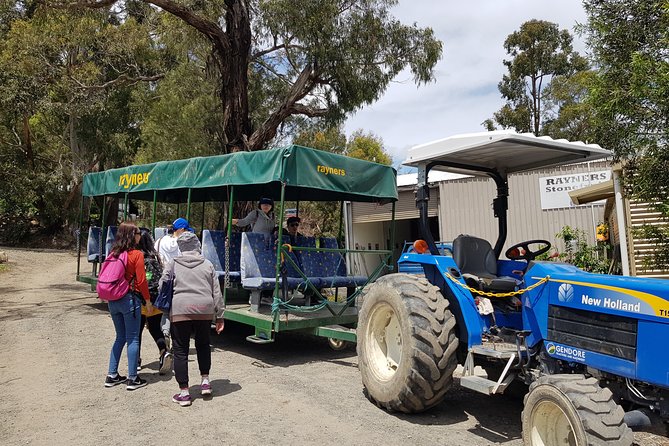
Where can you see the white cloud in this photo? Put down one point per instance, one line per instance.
(465, 92)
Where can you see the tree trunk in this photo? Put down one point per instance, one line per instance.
(27, 143)
(233, 60)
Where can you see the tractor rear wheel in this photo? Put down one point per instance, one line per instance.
(572, 410)
(406, 344)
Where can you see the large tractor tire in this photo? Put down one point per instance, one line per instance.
(572, 410)
(406, 344)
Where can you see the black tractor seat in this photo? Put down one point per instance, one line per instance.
(477, 262)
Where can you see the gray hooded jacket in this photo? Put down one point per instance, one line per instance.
(197, 293)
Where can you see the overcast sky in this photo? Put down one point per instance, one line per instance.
(464, 93)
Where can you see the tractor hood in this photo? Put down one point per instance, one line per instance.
(503, 151)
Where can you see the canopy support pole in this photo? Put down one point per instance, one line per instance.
(202, 221)
(226, 282)
(277, 272)
(81, 223)
(153, 214)
(103, 243)
(392, 239)
(188, 204)
(125, 207)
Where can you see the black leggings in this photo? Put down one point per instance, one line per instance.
(181, 332)
(153, 323)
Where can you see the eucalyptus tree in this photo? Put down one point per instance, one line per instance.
(539, 52)
(630, 46)
(59, 115)
(276, 59)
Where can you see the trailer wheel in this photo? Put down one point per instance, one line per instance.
(337, 344)
(406, 344)
(575, 411)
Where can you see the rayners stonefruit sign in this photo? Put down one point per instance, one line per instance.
(555, 190)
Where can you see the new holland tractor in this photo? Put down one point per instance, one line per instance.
(588, 348)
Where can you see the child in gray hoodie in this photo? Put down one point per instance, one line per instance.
(195, 302)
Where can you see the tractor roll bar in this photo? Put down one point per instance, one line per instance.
(500, 203)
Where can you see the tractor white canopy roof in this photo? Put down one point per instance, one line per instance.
(504, 151)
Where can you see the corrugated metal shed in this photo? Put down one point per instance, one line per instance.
(466, 208)
(405, 208)
(641, 214)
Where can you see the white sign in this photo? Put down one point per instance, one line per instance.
(555, 190)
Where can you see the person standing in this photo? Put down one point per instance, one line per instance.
(196, 300)
(167, 245)
(151, 317)
(261, 220)
(168, 249)
(126, 312)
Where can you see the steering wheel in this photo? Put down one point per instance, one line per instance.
(515, 253)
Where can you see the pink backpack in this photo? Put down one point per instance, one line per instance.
(112, 284)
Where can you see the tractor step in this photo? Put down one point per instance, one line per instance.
(482, 385)
(498, 350)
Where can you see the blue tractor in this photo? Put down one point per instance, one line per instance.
(586, 347)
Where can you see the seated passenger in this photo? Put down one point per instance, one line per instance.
(292, 224)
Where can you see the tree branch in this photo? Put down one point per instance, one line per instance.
(303, 85)
(286, 45)
(302, 109)
(123, 79)
(80, 4)
(207, 27)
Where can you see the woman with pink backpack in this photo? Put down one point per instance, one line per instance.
(122, 282)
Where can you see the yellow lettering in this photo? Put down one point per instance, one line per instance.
(330, 170)
(126, 180)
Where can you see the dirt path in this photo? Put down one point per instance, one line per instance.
(55, 338)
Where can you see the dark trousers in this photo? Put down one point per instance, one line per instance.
(153, 323)
(181, 332)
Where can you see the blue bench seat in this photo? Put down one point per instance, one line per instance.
(93, 246)
(329, 267)
(258, 264)
(213, 249)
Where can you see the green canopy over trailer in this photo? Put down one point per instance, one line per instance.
(294, 173)
(309, 175)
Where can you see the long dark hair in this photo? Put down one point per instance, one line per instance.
(125, 238)
(146, 243)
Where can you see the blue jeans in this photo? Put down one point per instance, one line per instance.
(126, 313)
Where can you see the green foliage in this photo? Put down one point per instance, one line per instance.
(658, 237)
(569, 114)
(355, 48)
(630, 96)
(581, 254)
(540, 52)
(367, 147)
(331, 139)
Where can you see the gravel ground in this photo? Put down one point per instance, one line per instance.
(55, 337)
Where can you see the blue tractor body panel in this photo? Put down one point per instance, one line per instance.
(628, 319)
(616, 324)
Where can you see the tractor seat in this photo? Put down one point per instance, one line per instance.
(477, 262)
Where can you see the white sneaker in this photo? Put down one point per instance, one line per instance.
(166, 361)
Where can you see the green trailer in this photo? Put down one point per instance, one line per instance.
(294, 173)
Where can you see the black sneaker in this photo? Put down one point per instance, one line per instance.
(132, 384)
(111, 382)
(139, 364)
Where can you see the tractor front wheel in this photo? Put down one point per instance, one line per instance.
(406, 344)
(572, 410)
